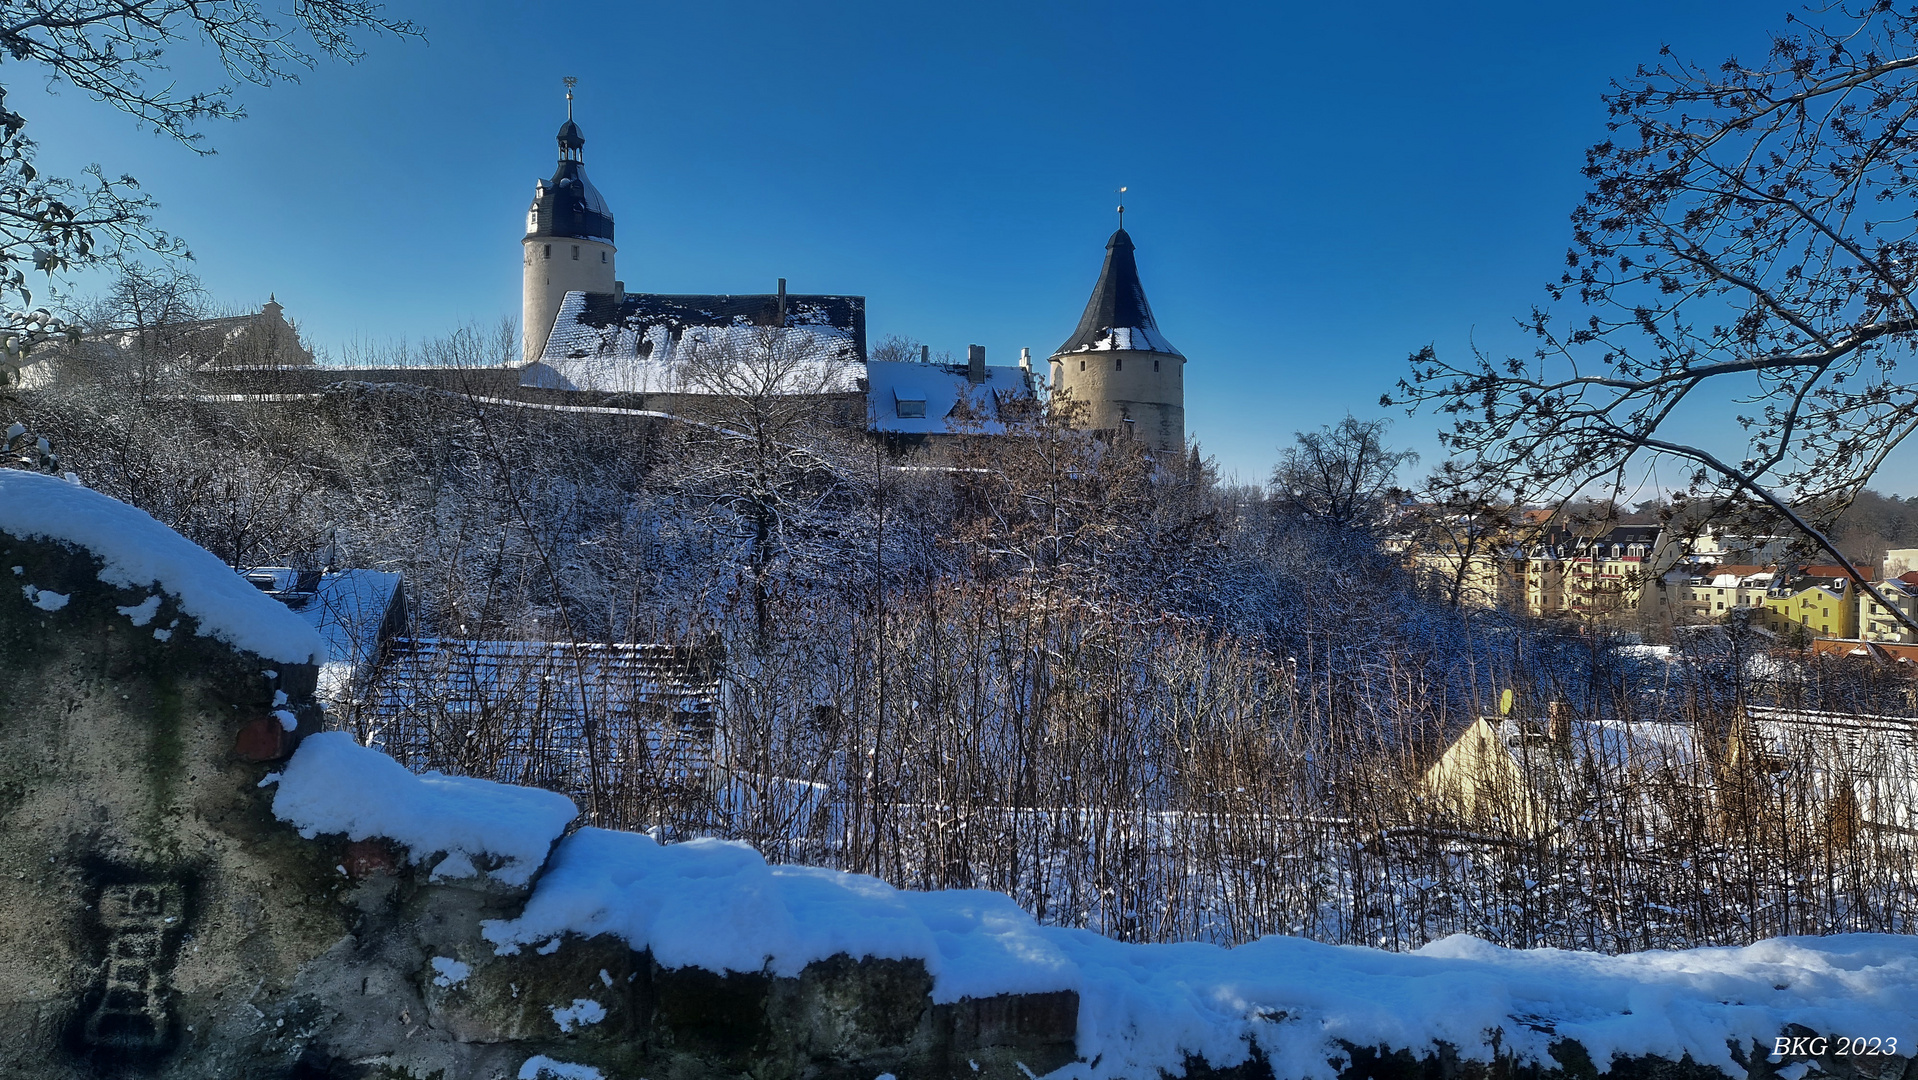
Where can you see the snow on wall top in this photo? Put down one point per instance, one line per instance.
(896, 388)
(136, 551)
(718, 905)
(334, 785)
(653, 343)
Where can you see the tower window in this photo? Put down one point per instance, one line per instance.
(1118, 363)
(602, 256)
(1155, 365)
(1082, 365)
(575, 252)
(549, 251)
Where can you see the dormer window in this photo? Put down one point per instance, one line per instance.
(909, 407)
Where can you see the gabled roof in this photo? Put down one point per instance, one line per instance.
(656, 343)
(1117, 316)
(355, 611)
(897, 388)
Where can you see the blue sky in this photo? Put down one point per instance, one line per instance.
(1316, 190)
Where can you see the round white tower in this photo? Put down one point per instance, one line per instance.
(1121, 372)
(569, 239)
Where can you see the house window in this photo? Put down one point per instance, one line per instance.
(575, 252)
(549, 251)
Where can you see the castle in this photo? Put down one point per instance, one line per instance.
(584, 331)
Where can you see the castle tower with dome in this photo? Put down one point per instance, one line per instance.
(569, 239)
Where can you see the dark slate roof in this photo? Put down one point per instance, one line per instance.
(569, 205)
(639, 343)
(1117, 316)
(529, 704)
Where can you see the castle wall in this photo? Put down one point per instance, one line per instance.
(1113, 386)
(546, 279)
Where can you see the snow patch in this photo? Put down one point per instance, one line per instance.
(449, 972)
(44, 600)
(287, 719)
(334, 785)
(539, 1067)
(138, 552)
(143, 612)
(580, 1013)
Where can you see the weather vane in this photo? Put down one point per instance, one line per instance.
(570, 83)
(1122, 208)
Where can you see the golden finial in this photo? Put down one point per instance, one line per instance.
(570, 83)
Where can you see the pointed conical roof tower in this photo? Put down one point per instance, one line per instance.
(1118, 369)
(569, 239)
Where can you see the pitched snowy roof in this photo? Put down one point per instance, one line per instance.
(919, 399)
(1117, 316)
(349, 608)
(656, 343)
(1875, 757)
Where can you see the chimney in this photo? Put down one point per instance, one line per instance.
(1558, 723)
(1025, 359)
(925, 354)
(782, 302)
(975, 364)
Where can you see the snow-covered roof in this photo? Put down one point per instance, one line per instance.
(138, 552)
(653, 343)
(919, 399)
(539, 698)
(347, 607)
(1117, 316)
(1875, 756)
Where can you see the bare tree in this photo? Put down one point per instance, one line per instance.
(1748, 241)
(109, 49)
(1338, 475)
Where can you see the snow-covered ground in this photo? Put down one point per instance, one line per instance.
(719, 905)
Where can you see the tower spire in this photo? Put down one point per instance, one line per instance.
(570, 83)
(1122, 209)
